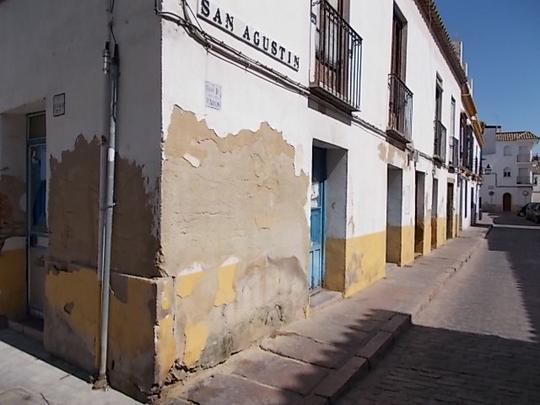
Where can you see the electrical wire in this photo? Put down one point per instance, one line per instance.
(111, 21)
(227, 53)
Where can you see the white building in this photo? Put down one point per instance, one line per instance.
(508, 175)
(266, 151)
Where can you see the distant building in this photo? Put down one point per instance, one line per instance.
(508, 169)
(536, 179)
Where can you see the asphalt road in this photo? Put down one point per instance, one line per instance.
(479, 340)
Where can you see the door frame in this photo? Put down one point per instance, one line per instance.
(504, 197)
(450, 210)
(29, 233)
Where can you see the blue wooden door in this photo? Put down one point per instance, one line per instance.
(318, 214)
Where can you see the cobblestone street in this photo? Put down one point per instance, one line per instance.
(478, 341)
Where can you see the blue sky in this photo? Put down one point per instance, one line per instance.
(502, 47)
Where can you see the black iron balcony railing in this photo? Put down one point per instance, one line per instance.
(400, 108)
(523, 158)
(524, 180)
(454, 152)
(338, 59)
(439, 147)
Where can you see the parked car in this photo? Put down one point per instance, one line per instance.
(523, 210)
(533, 212)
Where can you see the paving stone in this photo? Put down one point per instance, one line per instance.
(22, 371)
(20, 396)
(223, 389)
(306, 350)
(339, 380)
(276, 371)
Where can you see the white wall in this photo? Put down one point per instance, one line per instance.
(247, 100)
(62, 53)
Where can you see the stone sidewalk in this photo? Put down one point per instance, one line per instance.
(314, 360)
(31, 376)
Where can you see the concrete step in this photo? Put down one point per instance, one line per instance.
(323, 298)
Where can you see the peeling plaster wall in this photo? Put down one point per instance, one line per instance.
(210, 157)
(12, 216)
(68, 39)
(234, 236)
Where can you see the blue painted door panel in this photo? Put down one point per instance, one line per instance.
(316, 265)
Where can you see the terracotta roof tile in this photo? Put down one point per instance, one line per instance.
(516, 136)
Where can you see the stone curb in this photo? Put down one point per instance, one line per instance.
(333, 386)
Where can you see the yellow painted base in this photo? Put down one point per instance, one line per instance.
(365, 261)
(12, 283)
(427, 236)
(407, 245)
(72, 316)
(72, 325)
(441, 231)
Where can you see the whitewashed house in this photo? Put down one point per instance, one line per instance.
(264, 152)
(508, 169)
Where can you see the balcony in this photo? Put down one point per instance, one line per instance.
(524, 180)
(454, 152)
(400, 110)
(523, 158)
(337, 59)
(439, 146)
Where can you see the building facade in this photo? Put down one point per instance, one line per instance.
(536, 179)
(258, 160)
(508, 169)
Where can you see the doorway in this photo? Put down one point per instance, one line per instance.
(36, 212)
(507, 202)
(318, 218)
(450, 211)
(434, 212)
(460, 216)
(394, 208)
(419, 213)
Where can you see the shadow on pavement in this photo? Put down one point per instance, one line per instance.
(432, 366)
(511, 219)
(35, 349)
(435, 365)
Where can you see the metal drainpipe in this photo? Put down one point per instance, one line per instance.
(112, 72)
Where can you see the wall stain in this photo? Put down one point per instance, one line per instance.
(73, 212)
(73, 204)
